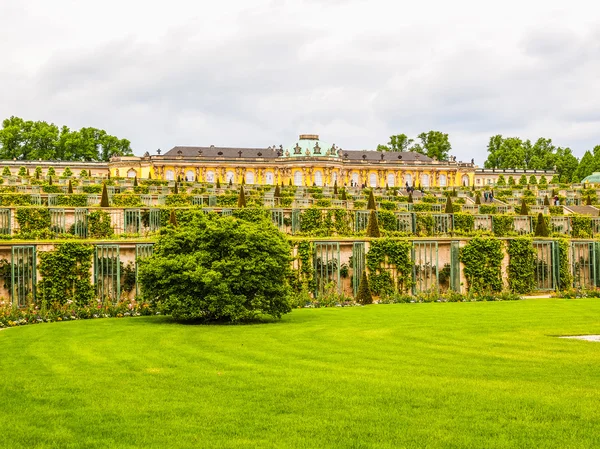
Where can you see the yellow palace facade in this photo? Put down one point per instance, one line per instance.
(306, 162)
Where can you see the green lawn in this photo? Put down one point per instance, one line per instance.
(472, 375)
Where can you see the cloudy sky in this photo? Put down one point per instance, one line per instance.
(257, 73)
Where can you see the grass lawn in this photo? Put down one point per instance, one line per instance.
(473, 375)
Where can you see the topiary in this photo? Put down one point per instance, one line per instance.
(546, 201)
(176, 189)
(241, 198)
(410, 198)
(449, 208)
(335, 189)
(541, 229)
(172, 218)
(70, 188)
(524, 210)
(371, 202)
(373, 225)
(218, 183)
(135, 183)
(363, 295)
(104, 200)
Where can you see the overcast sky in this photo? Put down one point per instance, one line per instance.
(258, 73)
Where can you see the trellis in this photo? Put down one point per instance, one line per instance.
(406, 221)
(442, 223)
(277, 218)
(147, 200)
(522, 224)
(295, 221)
(358, 264)
(80, 226)
(142, 251)
(596, 225)
(57, 221)
(560, 225)
(226, 212)
(107, 272)
(425, 268)
(132, 221)
(5, 221)
(93, 200)
(483, 223)
(23, 274)
(36, 200)
(361, 220)
(327, 266)
(455, 266)
(583, 264)
(547, 269)
(153, 220)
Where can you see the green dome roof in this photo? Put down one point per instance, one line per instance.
(594, 178)
(309, 145)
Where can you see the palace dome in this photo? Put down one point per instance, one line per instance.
(594, 178)
(309, 145)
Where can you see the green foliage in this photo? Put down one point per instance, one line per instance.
(32, 219)
(449, 209)
(178, 200)
(17, 199)
(371, 202)
(241, 198)
(533, 180)
(252, 214)
(22, 172)
(523, 210)
(543, 181)
(6, 171)
(464, 223)
(127, 200)
(99, 225)
(218, 269)
(83, 173)
(501, 181)
(581, 226)
(363, 295)
(521, 267)
(511, 181)
(565, 278)
(482, 261)
(65, 274)
(384, 255)
(387, 220)
(67, 172)
(502, 225)
(51, 172)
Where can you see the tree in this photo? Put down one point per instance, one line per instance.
(176, 188)
(173, 218)
(104, 200)
(501, 181)
(523, 180)
(344, 197)
(6, 172)
(67, 173)
(541, 229)
(215, 268)
(511, 181)
(410, 198)
(434, 144)
(449, 208)
(373, 225)
(22, 172)
(399, 142)
(51, 171)
(543, 181)
(505, 153)
(363, 295)
(587, 166)
(478, 198)
(241, 198)
(70, 188)
(588, 201)
(524, 210)
(335, 188)
(135, 182)
(83, 174)
(49, 180)
(371, 202)
(533, 180)
(546, 201)
(566, 164)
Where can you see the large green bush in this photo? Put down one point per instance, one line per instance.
(218, 269)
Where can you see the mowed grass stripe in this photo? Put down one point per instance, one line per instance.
(387, 376)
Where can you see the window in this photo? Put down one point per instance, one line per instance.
(210, 176)
(443, 180)
(355, 178)
(250, 178)
(170, 175)
(425, 180)
(189, 176)
(269, 178)
(465, 180)
(230, 177)
(318, 178)
(334, 177)
(298, 178)
(408, 180)
(373, 180)
(391, 180)
(131, 173)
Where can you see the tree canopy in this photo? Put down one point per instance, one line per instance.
(29, 140)
(434, 144)
(213, 268)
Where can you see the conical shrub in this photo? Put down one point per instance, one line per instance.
(135, 183)
(172, 218)
(218, 183)
(277, 193)
(104, 199)
(373, 225)
(449, 209)
(477, 198)
(541, 229)
(70, 188)
(176, 189)
(371, 203)
(524, 210)
(588, 201)
(242, 198)
(410, 198)
(335, 189)
(49, 180)
(546, 201)
(363, 295)
(344, 197)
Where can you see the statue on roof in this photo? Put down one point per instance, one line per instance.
(317, 148)
(297, 149)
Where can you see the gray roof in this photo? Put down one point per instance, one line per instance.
(272, 153)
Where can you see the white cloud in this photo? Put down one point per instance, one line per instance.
(259, 73)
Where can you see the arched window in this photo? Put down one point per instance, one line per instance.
(318, 178)
(210, 176)
(249, 177)
(443, 180)
(425, 180)
(170, 175)
(373, 180)
(355, 178)
(298, 178)
(189, 176)
(230, 176)
(408, 180)
(391, 180)
(269, 178)
(465, 180)
(334, 177)
(131, 173)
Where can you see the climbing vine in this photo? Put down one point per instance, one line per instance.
(581, 226)
(66, 274)
(482, 261)
(33, 219)
(502, 225)
(565, 279)
(99, 225)
(384, 256)
(521, 267)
